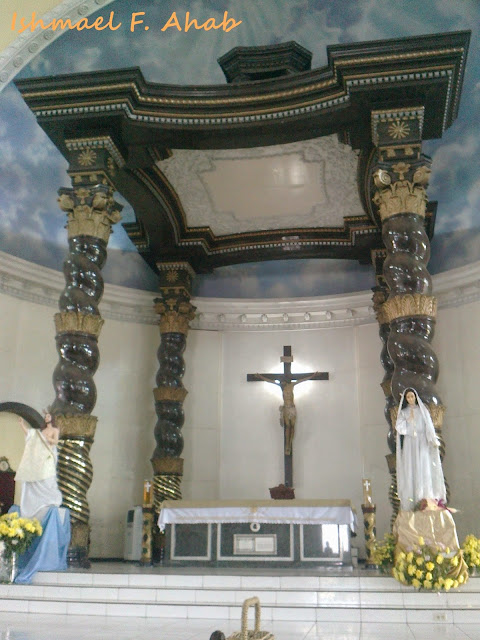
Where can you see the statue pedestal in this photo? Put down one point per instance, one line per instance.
(435, 526)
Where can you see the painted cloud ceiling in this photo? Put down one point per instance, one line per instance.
(31, 169)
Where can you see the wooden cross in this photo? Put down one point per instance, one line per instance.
(286, 381)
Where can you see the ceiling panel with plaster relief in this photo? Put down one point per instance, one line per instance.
(302, 184)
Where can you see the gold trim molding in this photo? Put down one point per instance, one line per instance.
(406, 305)
(166, 465)
(76, 322)
(173, 394)
(76, 426)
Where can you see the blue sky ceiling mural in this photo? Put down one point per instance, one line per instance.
(32, 170)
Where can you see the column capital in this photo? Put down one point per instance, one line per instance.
(91, 211)
(401, 188)
(379, 297)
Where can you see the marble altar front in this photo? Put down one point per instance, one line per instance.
(255, 532)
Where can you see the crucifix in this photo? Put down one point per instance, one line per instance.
(287, 381)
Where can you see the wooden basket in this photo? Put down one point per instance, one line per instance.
(256, 634)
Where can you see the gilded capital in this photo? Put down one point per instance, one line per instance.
(402, 192)
(91, 211)
(76, 426)
(175, 315)
(378, 299)
(172, 394)
(76, 322)
(406, 305)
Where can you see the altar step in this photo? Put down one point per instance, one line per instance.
(298, 598)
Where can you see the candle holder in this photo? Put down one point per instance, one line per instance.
(369, 522)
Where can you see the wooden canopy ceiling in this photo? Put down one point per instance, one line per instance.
(138, 123)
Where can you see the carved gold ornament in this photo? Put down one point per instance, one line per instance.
(111, 165)
(173, 394)
(76, 322)
(398, 130)
(387, 388)
(87, 157)
(378, 299)
(404, 306)
(437, 411)
(401, 196)
(167, 465)
(86, 221)
(175, 320)
(172, 275)
(76, 426)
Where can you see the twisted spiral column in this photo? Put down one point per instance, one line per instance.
(400, 178)
(91, 211)
(175, 312)
(380, 294)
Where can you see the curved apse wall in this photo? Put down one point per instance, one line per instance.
(32, 226)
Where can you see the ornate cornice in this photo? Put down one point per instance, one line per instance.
(352, 68)
(41, 285)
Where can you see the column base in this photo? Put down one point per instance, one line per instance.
(77, 555)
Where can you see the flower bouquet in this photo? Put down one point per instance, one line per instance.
(383, 553)
(16, 535)
(471, 552)
(430, 568)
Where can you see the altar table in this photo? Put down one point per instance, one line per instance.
(236, 532)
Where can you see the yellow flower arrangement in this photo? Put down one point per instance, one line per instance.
(431, 568)
(383, 553)
(471, 552)
(17, 533)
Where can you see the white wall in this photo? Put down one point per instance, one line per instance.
(233, 441)
(124, 439)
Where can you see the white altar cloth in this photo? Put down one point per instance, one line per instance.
(262, 511)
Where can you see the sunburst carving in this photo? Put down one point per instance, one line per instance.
(87, 157)
(398, 130)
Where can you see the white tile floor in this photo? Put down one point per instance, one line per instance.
(21, 626)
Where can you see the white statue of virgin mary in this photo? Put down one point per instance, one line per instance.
(419, 469)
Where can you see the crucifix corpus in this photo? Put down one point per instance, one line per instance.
(287, 381)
